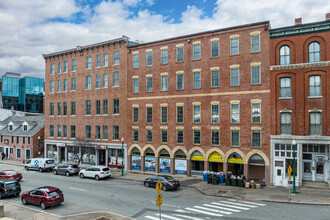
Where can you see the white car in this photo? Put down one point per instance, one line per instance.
(97, 172)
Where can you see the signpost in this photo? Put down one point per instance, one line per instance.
(159, 200)
(289, 172)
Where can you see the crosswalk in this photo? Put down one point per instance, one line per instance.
(213, 210)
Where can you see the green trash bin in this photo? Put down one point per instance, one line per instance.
(234, 182)
(209, 179)
(240, 182)
(215, 180)
(227, 181)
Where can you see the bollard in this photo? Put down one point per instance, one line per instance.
(2, 213)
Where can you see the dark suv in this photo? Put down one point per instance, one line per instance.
(66, 169)
(9, 187)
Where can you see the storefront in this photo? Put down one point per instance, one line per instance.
(164, 161)
(314, 162)
(197, 163)
(215, 162)
(150, 161)
(180, 162)
(256, 168)
(136, 159)
(235, 164)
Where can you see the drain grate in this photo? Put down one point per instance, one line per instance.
(222, 192)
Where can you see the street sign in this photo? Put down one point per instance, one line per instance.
(159, 186)
(159, 200)
(289, 170)
(290, 177)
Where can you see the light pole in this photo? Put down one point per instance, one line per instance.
(294, 144)
(122, 154)
(38, 146)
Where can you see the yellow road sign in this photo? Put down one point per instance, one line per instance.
(290, 177)
(289, 170)
(159, 186)
(159, 200)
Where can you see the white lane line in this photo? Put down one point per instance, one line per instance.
(181, 210)
(254, 203)
(170, 217)
(188, 217)
(204, 212)
(78, 189)
(236, 203)
(213, 210)
(219, 207)
(150, 217)
(231, 206)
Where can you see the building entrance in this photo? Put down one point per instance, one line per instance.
(314, 162)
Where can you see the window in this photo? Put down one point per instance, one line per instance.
(51, 87)
(51, 109)
(52, 69)
(105, 80)
(197, 114)
(88, 62)
(88, 131)
(60, 67)
(255, 43)
(179, 54)
(197, 137)
(64, 131)
(59, 131)
(73, 108)
(98, 107)
(88, 107)
(285, 55)
(105, 59)
(234, 46)
(164, 83)
(235, 137)
(256, 113)
(115, 132)
(215, 114)
(115, 106)
(149, 114)
(135, 135)
(285, 123)
(149, 136)
(149, 58)
(285, 87)
(98, 60)
(214, 49)
(11, 150)
(164, 136)
(65, 108)
(315, 86)
(315, 123)
(23, 140)
(17, 140)
(135, 85)
(116, 58)
(73, 84)
(215, 78)
(164, 56)
(65, 66)
(135, 60)
(179, 81)
(88, 82)
(179, 136)
(234, 113)
(314, 52)
(135, 115)
(215, 137)
(234, 77)
(25, 128)
(74, 65)
(51, 130)
(256, 138)
(179, 114)
(164, 114)
(18, 153)
(105, 106)
(59, 85)
(115, 79)
(197, 80)
(149, 84)
(105, 132)
(73, 131)
(97, 132)
(255, 71)
(59, 108)
(65, 85)
(197, 51)
(98, 81)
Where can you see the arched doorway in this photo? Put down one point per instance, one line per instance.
(215, 162)
(150, 161)
(180, 162)
(136, 159)
(257, 167)
(235, 164)
(197, 163)
(164, 161)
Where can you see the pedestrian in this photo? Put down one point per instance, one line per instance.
(3, 155)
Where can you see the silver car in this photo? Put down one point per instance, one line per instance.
(66, 169)
(97, 172)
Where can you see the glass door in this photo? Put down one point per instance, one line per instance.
(307, 170)
(319, 174)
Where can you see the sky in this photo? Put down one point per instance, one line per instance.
(30, 28)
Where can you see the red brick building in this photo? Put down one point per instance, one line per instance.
(201, 102)
(299, 110)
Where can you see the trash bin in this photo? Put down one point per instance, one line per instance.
(227, 181)
(204, 177)
(234, 182)
(209, 179)
(214, 179)
(221, 178)
(240, 182)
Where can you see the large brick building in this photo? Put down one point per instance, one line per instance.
(300, 67)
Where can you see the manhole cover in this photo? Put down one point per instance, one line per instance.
(222, 192)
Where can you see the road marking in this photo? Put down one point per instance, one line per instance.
(204, 212)
(170, 217)
(188, 217)
(254, 203)
(219, 207)
(150, 217)
(213, 210)
(78, 189)
(35, 209)
(231, 206)
(235, 203)
(168, 205)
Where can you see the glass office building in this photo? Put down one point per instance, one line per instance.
(22, 94)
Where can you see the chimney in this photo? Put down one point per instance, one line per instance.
(298, 21)
(327, 16)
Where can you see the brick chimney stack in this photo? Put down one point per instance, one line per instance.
(298, 21)
(327, 16)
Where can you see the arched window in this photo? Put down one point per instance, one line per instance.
(314, 52)
(285, 55)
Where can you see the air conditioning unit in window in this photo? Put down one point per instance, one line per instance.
(319, 158)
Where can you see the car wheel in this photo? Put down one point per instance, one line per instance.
(81, 176)
(164, 188)
(24, 202)
(146, 184)
(42, 205)
(40, 170)
(17, 194)
(97, 177)
(54, 172)
(67, 173)
(26, 168)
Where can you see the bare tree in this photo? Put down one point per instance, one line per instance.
(83, 146)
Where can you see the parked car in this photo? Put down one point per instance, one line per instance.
(97, 172)
(169, 183)
(66, 169)
(9, 187)
(45, 196)
(10, 174)
(41, 164)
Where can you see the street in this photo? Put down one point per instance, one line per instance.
(132, 199)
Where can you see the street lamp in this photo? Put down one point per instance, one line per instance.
(38, 146)
(294, 144)
(122, 154)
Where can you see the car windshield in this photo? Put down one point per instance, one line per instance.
(169, 178)
(54, 193)
(75, 166)
(49, 161)
(11, 173)
(105, 169)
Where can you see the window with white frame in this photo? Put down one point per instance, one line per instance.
(215, 113)
(105, 80)
(197, 80)
(285, 123)
(315, 123)
(164, 114)
(51, 90)
(98, 107)
(164, 83)
(135, 85)
(215, 78)
(73, 131)
(105, 106)
(65, 108)
(115, 79)
(65, 66)
(149, 135)
(234, 113)
(88, 107)
(73, 108)
(256, 138)
(234, 77)
(52, 69)
(285, 87)
(197, 51)
(115, 106)
(51, 108)
(98, 81)
(197, 137)
(179, 114)
(73, 84)
(98, 60)
(256, 112)
(64, 131)
(179, 81)
(65, 85)
(135, 115)
(255, 75)
(234, 46)
(88, 82)
(179, 136)
(88, 62)
(74, 65)
(18, 153)
(285, 55)
(149, 84)
(235, 137)
(59, 85)
(88, 131)
(59, 131)
(105, 132)
(215, 137)
(97, 132)
(59, 108)
(149, 58)
(164, 56)
(314, 52)
(60, 67)
(164, 136)
(105, 59)
(116, 58)
(179, 54)
(51, 130)
(135, 135)
(135, 60)
(115, 132)
(314, 85)
(255, 43)
(197, 114)
(214, 49)
(149, 114)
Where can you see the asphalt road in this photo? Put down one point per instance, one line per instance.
(132, 199)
